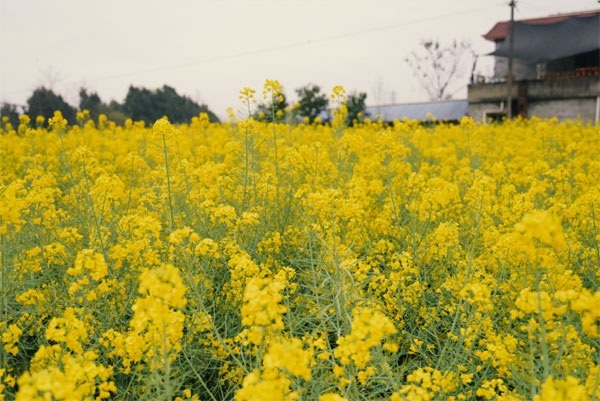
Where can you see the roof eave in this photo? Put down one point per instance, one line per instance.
(500, 29)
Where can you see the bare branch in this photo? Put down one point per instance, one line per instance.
(438, 67)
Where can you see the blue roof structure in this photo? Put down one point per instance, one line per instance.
(451, 110)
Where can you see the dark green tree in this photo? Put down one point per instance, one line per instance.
(10, 111)
(355, 102)
(90, 102)
(115, 112)
(312, 101)
(142, 104)
(44, 102)
(139, 105)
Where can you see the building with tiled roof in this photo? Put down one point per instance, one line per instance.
(500, 30)
(556, 61)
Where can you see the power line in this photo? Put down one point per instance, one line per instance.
(280, 47)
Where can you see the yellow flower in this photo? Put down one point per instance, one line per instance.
(339, 93)
(290, 356)
(163, 129)
(262, 304)
(24, 119)
(10, 338)
(247, 94)
(567, 389)
(269, 386)
(331, 397)
(272, 89)
(57, 121)
(369, 328)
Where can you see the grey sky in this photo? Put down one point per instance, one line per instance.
(210, 49)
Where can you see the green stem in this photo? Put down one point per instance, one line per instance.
(168, 183)
(461, 301)
(3, 303)
(130, 185)
(68, 163)
(389, 184)
(544, 344)
(91, 203)
(247, 161)
(276, 161)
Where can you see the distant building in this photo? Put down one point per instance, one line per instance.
(556, 62)
(447, 110)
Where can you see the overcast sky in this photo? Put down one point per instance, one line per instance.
(210, 49)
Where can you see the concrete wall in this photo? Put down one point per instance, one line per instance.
(561, 98)
(563, 109)
(476, 110)
(537, 89)
(563, 88)
(482, 93)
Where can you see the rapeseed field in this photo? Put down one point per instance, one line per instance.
(250, 260)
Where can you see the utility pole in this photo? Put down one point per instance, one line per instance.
(509, 74)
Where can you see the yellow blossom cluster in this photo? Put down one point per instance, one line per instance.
(156, 328)
(369, 328)
(69, 373)
(262, 309)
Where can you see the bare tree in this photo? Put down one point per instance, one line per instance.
(439, 68)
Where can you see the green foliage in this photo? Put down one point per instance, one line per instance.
(141, 104)
(150, 105)
(93, 103)
(265, 111)
(116, 113)
(312, 101)
(357, 108)
(10, 111)
(44, 102)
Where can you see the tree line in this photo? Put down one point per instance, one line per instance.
(142, 104)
